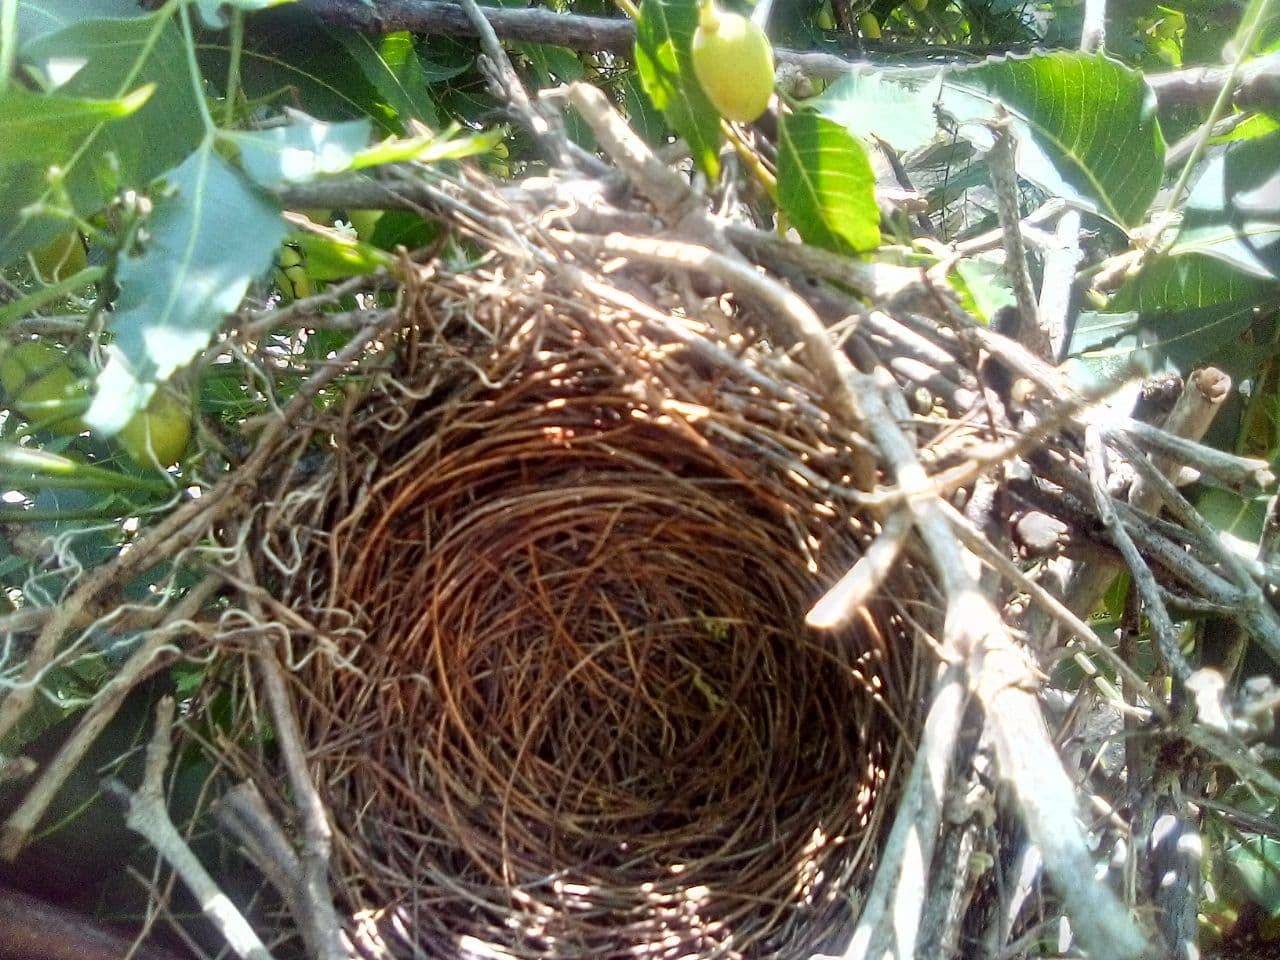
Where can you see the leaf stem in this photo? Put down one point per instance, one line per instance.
(233, 65)
(1251, 33)
(34, 301)
(197, 81)
(8, 40)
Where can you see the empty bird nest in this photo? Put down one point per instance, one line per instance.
(621, 592)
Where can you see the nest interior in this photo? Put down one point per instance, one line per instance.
(569, 706)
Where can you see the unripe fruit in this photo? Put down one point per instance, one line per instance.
(826, 20)
(919, 6)
(39, 383)
(291, 274)
(869, 26)
(158, 435)
(733, 61)
(61, 257)
(364, 222)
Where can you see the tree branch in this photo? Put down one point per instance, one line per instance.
(1259, 84)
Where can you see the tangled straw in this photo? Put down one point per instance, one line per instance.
(585, 718)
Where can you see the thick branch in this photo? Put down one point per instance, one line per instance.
(1259, 84)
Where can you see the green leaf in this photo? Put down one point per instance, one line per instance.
(984, 286)
(1188, 281)
(328, 257)
(825, 184)
(41, 128)
(898, 111)
(1233, 212)
(39, 17)
(109, 59)
(212, 15)
(301, 151)
(33, 468)
(209, 238)
(392, 67)
(428, 148)
(664, 32)
(1086, 127)
(645, 118)
(1256, 868)
(551, 63)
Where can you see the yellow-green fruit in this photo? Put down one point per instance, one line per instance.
(158, 435)
(39, 383)
(826, 20)
(919, 6)
(733, 61)
(62, 257)
(291, 274)
(869, 26)
(364, 222)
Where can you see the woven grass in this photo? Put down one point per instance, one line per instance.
(571, 708)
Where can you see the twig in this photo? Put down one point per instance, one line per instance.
(39, 929)
(1093, 34)
(1004, 683)
(173, 534)
(975, 541)
(1004, 181)
(855, 588)
(889, 921)
(144, 661)
(1060, 264)
(616, 35)
(325, 930)
(148, 816)
(1166, 635)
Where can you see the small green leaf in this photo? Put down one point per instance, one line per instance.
(825, 184)
(328, 257)
(552, 64)
(984, 286)
(664, 32)
(41, 128)
(209, 238)
(301, 151)
(428, 148)
(31, 467)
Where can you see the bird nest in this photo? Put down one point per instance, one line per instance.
(567, 703)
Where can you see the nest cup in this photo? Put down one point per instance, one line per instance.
(567, 705)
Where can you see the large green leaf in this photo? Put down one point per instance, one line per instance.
(1189, 281)
(209, 237)
(825, 183)
(1086, 126)
(664, 32)
(212, 14)
(39, 17)
(107, 59)
(302, 150)
(899, 111)
(41, 128)
(1233, 212)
